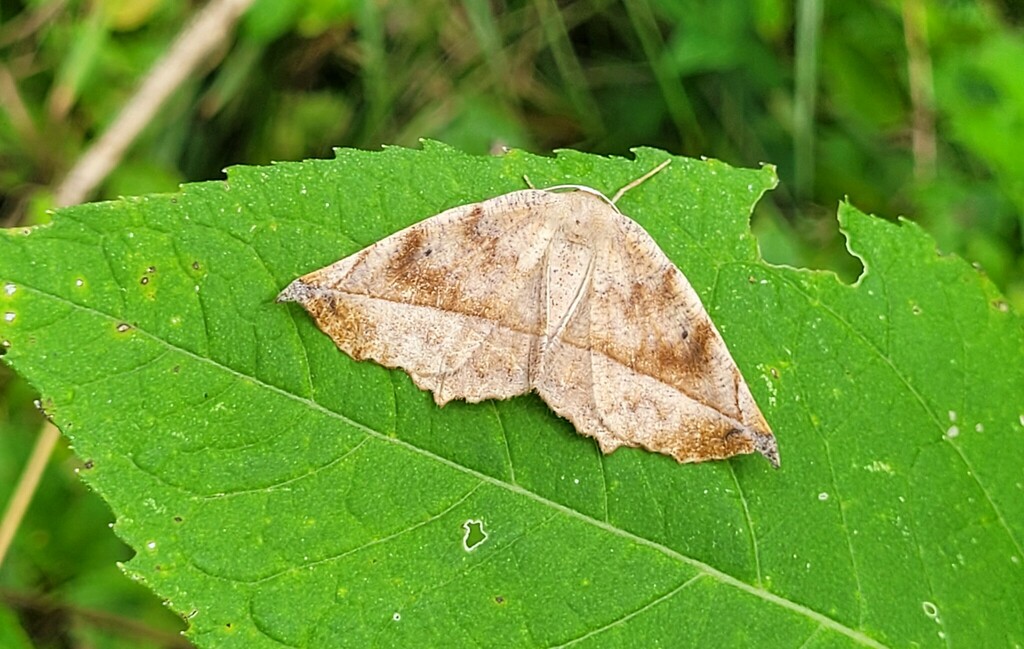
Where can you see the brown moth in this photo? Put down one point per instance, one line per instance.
(552, 290)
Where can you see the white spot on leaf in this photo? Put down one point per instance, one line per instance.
(475, 535)
(10, 289)
(823, 496)
(952, 432)
(10, 316)
(879, 467)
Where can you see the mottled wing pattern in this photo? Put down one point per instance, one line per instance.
(454, 300)
(663, 378)
(556, 292)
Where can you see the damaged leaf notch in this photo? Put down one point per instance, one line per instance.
(552, 290)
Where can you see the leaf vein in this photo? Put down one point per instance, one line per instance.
(283, 483)
(504, 437)
(750, 524)
(720, 576)
(369, 544)
(630, 615)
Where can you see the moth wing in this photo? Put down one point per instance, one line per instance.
(663, 377)
(453, 300)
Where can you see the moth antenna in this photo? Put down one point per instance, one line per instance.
(646, 176)
(528, 183)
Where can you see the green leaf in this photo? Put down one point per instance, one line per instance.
(280, 494)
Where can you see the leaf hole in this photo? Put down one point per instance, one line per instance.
(475, 535)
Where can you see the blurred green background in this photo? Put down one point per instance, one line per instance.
(908, 108)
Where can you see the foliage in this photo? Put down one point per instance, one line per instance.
(716, 79)
(278, 493)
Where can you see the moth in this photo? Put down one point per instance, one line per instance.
(554, 291)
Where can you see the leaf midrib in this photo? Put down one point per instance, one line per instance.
(723, 577)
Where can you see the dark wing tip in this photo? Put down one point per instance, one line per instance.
(297, 291)
(766, 445)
